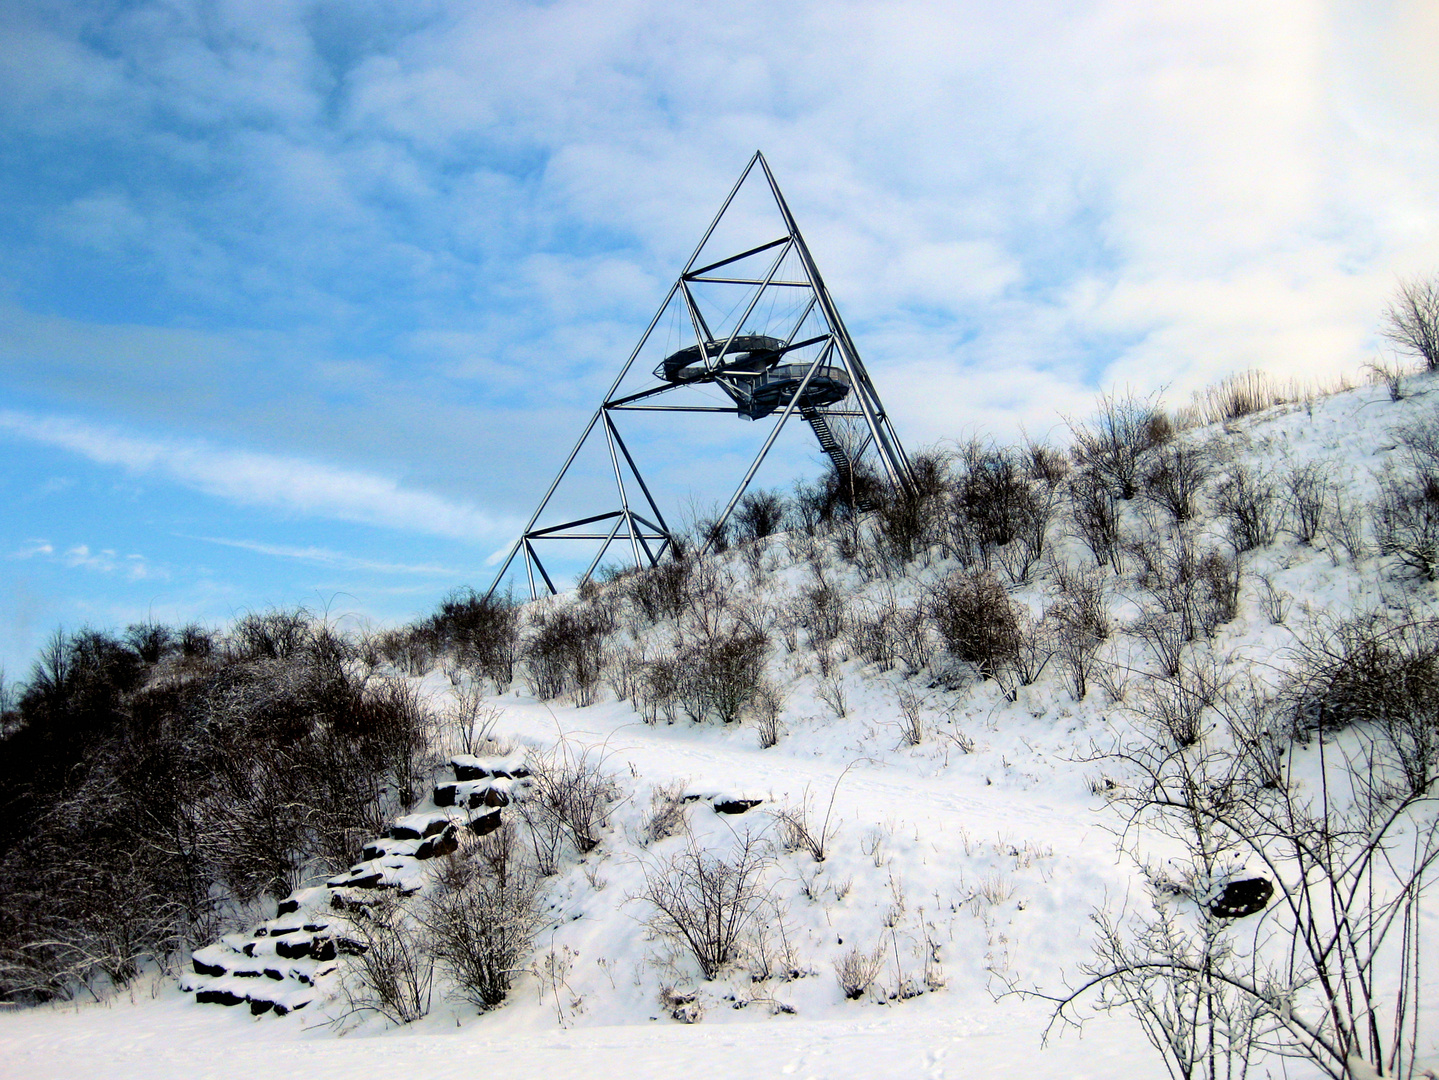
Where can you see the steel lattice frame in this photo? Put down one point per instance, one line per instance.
(648, 534)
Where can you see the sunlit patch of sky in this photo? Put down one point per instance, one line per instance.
(313, 261)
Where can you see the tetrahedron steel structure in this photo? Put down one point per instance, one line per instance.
(748, 329)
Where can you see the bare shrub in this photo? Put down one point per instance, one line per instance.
(830, 689)
(715, 670)
(469, 720)
(393, 972)
(1345, 527)
(1370, 670)
(663, 591)
(798, 829)
(1248, 501)
(666, 815)
(1096, 517)
(1329, 972)
(564, 650)
(1176, 702)
(856, 970)
(997, 514)
(1175, 478)
(1080, 621)
(911, 710)
(909, 520)
(1114, 442)
(768, 707)
(870, 631)
(1406, 519)
(706, 902)
(1308, 488)
(482, 631)
(1391, 373)
(977, 621)
(570, 797)
(759, 515)
(1164, 633)
(1411, 321)
(1201, 588)
(821, 609)
(480, 925)
(1274, 600)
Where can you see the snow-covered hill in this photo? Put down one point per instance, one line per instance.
(971, 827)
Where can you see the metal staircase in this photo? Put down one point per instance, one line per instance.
(844, 471)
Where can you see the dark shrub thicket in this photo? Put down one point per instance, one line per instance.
(151, 779)
(482, 631)
(977, 621)
(564, 651)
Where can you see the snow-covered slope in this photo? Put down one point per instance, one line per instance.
(968, 861)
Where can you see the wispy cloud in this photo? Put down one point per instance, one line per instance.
(108, 561)
(336, 559)
(33, 548)
(257, 479)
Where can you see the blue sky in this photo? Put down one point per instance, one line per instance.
(303, 302)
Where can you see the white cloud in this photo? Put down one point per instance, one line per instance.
(336, 559)
(33, 548)
(108, 561)
(259, 479)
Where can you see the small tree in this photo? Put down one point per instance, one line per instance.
(1411, 321)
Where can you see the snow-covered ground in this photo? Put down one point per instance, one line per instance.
(973, 862)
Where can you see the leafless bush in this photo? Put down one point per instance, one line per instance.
(768, 707)
(1080, 618)
(1113, 444)
(857, 970)
(911, 710)
(1176, 477)
(1248, 501)
(759, 515)
(1164, 633)
(564, 650)
(1201, 588)
(1176, 703)
(870, 631)
(799, 832)
(977, 621)
(409, 649)
(1391, 373)
(663, 591)
(714, 671)
(570, 797)
(1411, 321)
(821, 609)
(1096, 517)
(997, 514)
(913, 638)
(666, 815)
(1345, 528)
(469, 720)
(1329, 972)
(1308, 487)
(480, 925)
(1274, 600)
(1370, 670)
(393, 972)
(1406, 519)
(829, 688)
(482, 631)
(909, 520)
(1037, 646)
(706, 902)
